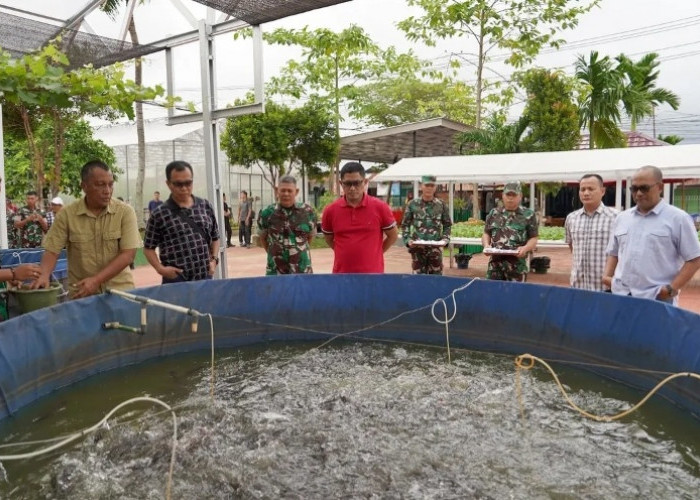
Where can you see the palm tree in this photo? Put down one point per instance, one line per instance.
(111, 8)
(598, 108)
(495, 138)
(640, 95)
(671, 139)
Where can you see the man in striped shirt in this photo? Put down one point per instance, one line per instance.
(587, 234)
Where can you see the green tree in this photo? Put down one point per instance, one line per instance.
(550, 112)
(496, 137)
(599, 110)
(332, 65)
(111, 7)
(80, 147)
(313, 141)
(521, 27)
(671, 139)
(280, 138)
(395, 101)
(640, 95)
(39, 87)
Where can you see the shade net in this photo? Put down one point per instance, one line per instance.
(19, 36)
(262, 11)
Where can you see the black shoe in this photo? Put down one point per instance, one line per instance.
(229, 245)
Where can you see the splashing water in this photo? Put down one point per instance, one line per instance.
(376, 421)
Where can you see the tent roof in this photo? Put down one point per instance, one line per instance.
(434, 137)
(156, 131)
(676, 162)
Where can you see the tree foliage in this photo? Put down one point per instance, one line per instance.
(396, 101)
(280, 138)
(599, 102)
(496, 137)
(38, 87)
(333, 66)
(80, 147)
(640, 95)
(550, 112)
(671, 139)
(520, 27)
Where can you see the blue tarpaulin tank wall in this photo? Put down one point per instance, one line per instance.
(55, 347)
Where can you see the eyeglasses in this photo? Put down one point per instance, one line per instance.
(181, 184)
(350, 184)
(644, 188)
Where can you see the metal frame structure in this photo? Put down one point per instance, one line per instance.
(203, 32)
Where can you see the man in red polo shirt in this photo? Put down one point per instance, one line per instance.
(358, 227)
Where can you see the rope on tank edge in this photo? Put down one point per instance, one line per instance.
(103, 423)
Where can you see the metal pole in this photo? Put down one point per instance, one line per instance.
(211, 159)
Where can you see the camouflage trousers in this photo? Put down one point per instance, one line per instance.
(507, 269)
(426, 260)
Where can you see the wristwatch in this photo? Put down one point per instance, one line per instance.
(215, 259)
(672, 292)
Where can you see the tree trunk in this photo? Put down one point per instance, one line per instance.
(137, 202)
(36, 156)
(59, 143)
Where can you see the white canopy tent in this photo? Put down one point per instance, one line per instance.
(614, 165)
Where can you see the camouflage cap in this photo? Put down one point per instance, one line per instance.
(428, 179)
(513, 187)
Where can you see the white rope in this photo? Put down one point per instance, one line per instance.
(447, 320)
(72, 437)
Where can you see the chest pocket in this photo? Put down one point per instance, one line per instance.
(111, 242)
(81, 241)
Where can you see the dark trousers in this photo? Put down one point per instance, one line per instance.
(244, 233)
(227, 226)
(179, 279)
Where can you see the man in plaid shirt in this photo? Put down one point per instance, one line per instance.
(588, 232)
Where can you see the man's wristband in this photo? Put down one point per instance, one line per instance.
(12, 270)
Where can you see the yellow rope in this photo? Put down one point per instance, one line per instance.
(520, 363)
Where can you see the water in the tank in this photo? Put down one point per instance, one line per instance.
(353, 421)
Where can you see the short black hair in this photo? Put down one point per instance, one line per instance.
(244, 192)
(588, 176)
(177, 165)
(351, 167)
(90, 166)
(32, 193)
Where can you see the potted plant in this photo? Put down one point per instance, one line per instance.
(540, 264)
(462, 260)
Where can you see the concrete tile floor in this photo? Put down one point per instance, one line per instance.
(250, 262)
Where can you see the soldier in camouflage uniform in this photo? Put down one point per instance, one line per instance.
(427, 219)
(510, 227)
(30, 223)
(285, 229)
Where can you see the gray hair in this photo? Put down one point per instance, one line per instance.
(287, 179)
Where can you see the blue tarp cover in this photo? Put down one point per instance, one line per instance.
(57, 346)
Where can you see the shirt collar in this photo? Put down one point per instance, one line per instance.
(656, 210)
(84, 210)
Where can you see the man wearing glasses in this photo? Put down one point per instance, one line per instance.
(184, 229)
(654, 250)
(358, 227)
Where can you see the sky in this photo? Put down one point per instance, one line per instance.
(633, 27)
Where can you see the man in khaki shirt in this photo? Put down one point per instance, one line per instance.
(100, 236)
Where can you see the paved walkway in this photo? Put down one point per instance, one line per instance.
(250, 262)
